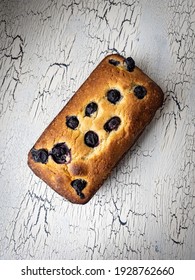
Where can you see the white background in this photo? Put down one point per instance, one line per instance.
(97, 269)
(146, 208)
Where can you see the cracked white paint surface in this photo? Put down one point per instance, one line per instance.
(146, 208)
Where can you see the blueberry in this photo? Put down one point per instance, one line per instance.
(91, 139)
(40, 155)
(61, 153)
(90, 109)
(140, 92)
(113, 96)
(72, 122)
(79, 185)
(112, 124)
(130, 64)
(114, 62)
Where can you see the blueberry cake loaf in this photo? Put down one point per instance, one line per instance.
(78, 150)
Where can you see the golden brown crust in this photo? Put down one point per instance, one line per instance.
(94, 164)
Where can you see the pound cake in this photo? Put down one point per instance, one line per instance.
(80, 147)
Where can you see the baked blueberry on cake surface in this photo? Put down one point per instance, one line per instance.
(74, 155)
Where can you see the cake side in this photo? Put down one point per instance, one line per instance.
(95, 128)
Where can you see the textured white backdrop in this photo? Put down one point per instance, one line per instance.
(146, 208)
